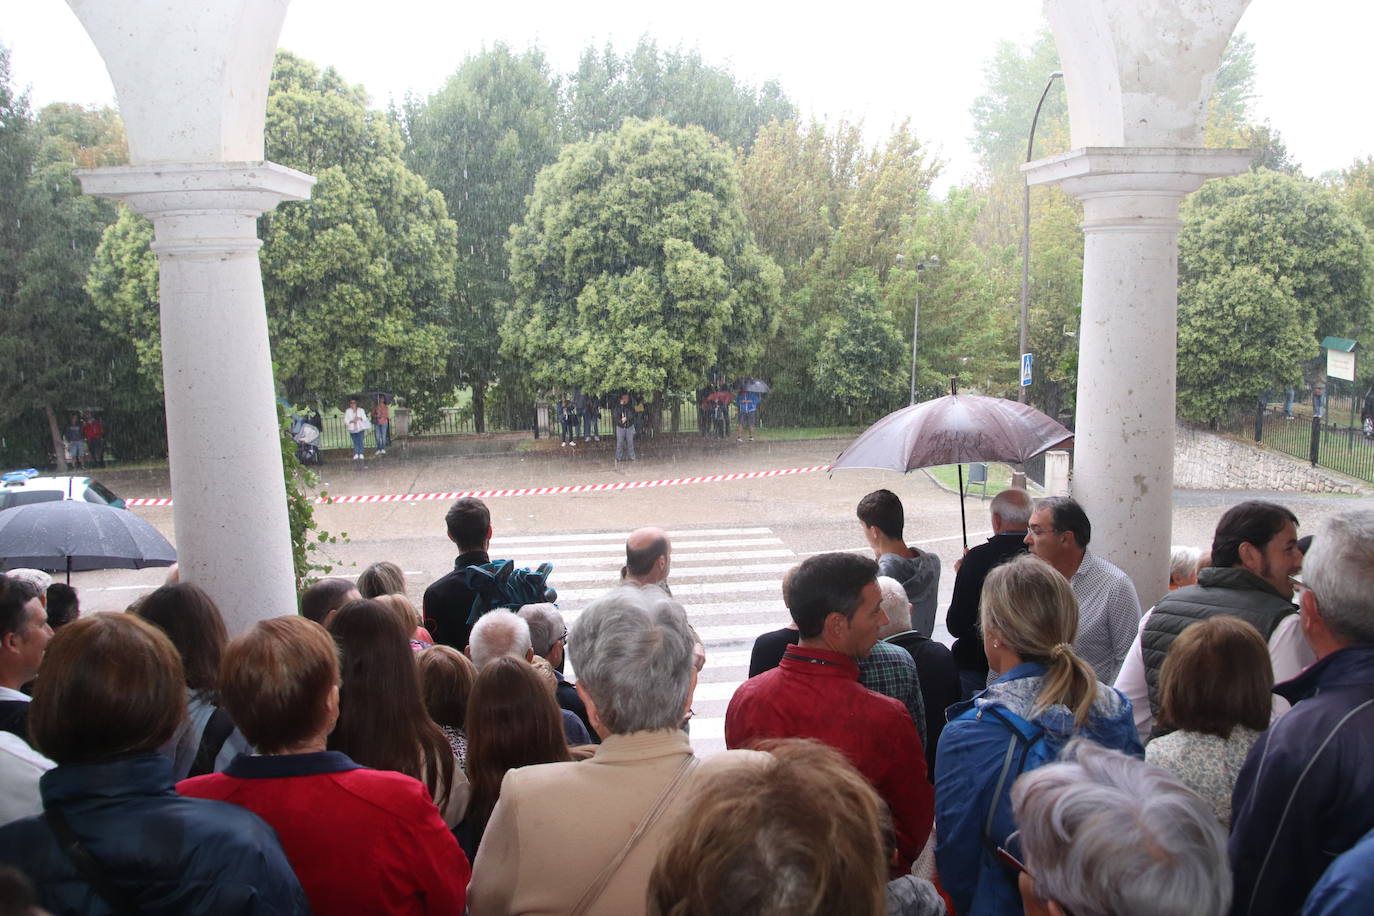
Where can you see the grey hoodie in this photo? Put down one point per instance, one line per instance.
(920, 576)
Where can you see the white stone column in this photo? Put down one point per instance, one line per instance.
(232, 534)
(1124, 437)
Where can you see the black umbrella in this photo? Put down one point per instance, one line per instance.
(759, 386)
(76, 536)
(954, 429)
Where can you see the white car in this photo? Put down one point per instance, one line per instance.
(20, 488)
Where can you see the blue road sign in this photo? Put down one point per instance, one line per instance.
(1027, 359)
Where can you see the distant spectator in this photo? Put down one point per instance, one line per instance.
(939, 678)
(357, 424)
(63, 605)
(1214, 689)
(75, 441)
(1183, 566)
(801, 832)
(382, 719)
(512, 721)
(93, 431)
(446, 678)
(373, 841)
(322, 599)
(557, 826)
(1046, 696)
(1102, 833)
(383, 578)
(381, 428)
(112, 693)
(24, 636)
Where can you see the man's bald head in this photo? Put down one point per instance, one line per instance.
(648, 554)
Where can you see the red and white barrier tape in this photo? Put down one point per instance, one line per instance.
(537, 491)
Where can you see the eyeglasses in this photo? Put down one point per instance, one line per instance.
(564, 637)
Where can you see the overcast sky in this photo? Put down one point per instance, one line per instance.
(860, 60)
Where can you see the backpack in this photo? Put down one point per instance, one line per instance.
(1027, 749)
(500, 584)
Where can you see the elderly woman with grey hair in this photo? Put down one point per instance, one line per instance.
(582, 837)
(1103, 834)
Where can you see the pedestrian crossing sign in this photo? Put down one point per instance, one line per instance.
(1026, 360)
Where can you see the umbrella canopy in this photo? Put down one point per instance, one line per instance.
(954, 429)
(752, 384)
(74, 535)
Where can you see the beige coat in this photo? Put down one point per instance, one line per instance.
(557, 825)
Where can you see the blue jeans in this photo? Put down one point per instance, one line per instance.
(382, 433)
(591, 426)
(624, 439)
(358, 442)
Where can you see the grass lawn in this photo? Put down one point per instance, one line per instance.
(999, 477)
(807, 432)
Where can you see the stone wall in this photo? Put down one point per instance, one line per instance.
(1206, 461)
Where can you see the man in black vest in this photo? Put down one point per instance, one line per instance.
(448, 601)
(1254, 552)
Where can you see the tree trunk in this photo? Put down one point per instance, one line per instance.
(677, 415)
(479, 406)
(57, 447)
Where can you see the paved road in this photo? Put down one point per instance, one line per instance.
(732, 540)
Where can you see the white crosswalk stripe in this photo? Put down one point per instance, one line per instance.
(729, 579)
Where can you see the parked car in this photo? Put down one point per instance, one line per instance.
(20, 488)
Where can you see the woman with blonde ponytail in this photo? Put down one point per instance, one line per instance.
(1044, 697)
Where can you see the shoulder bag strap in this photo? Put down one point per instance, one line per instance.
(217, 730)
(594, 892)
(86, 865)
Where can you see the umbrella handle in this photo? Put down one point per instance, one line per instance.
(963, 522)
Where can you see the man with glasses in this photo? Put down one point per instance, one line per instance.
(1255, 553)
(1108, 608)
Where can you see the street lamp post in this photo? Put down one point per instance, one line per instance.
(933, 261)
(1025, 236)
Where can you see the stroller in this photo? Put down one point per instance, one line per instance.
(305, 432)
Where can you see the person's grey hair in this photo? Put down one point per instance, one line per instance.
(1339, 569)
(1183, 561)
(35, 577)
(632, 650)
(1105, 834)
(497, 633)
(546, 626)
(1013, 507)
(896, 605)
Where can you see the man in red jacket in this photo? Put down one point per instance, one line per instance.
(815, 693)
(359, 840)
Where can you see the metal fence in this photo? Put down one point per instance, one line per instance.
(1332, 440)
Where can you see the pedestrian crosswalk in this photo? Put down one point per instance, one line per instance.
(729, 580)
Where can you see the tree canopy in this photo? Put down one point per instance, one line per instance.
(634, 266)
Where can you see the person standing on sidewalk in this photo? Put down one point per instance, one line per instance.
(355, 420)
(624, 418)
(381, 424)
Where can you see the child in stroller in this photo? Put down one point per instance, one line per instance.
(305, 431)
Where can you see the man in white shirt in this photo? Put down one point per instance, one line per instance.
(24, 635)
(1254, 553)
(1108, 609)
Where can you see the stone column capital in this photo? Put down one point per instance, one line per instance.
(1134, 188)
(200, 209)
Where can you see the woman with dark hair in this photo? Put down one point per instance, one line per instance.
(360, 840)
(382, 719)
(1215, 689)
(512, 721)
(207, 741)
(114, 837)
(1046, 696)
(446, 677)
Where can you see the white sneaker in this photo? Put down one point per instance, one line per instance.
(381, 451)
(357, 457)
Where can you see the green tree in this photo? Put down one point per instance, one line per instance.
(1268, 265)
(1355, 186)
(678, 86)
(859, 352)
(480, 140)
(359, 279)
(634, 267)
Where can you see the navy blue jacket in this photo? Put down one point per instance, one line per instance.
(1306, 792)
(168, 853)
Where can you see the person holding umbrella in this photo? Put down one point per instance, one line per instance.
(355, 419)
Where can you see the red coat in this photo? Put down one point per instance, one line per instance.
(360, 840)
(814, 693)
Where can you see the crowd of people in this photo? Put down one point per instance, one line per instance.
(1068, 755)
